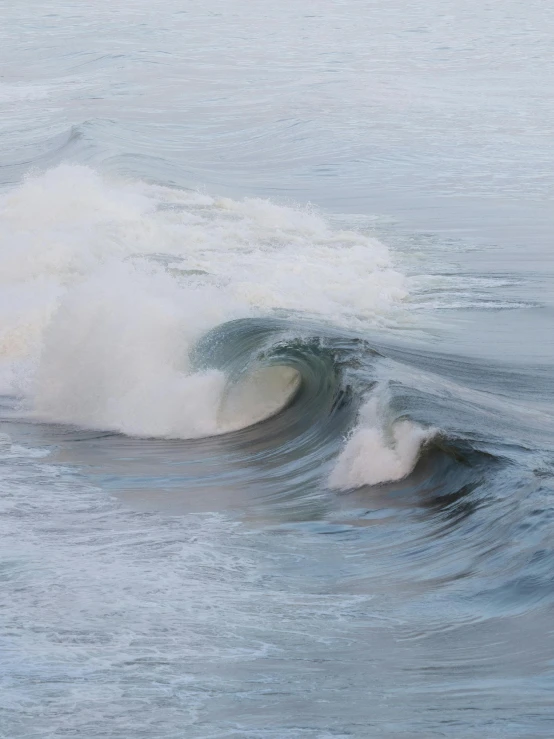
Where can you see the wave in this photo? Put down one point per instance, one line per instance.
(162, 313)
(290, 388)
(108, 284)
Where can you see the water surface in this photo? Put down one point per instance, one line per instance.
(276, 364)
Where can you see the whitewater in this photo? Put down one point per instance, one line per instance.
(276, 370)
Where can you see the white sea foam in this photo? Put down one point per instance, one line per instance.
(379, 449)
(108, 284)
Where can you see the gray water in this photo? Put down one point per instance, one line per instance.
(276, 369)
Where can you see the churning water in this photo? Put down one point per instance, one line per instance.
(276, 369)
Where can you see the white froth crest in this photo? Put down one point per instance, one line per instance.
(378, 450)
(116, 356)
(106, 285)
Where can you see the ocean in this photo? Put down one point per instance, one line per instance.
(276, 369)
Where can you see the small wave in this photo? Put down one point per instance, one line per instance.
(43, 150)
(379, 449)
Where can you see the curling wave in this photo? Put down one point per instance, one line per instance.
(164, 313)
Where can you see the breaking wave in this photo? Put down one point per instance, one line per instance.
(158, 312)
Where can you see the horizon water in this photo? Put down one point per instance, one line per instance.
(276, 370)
